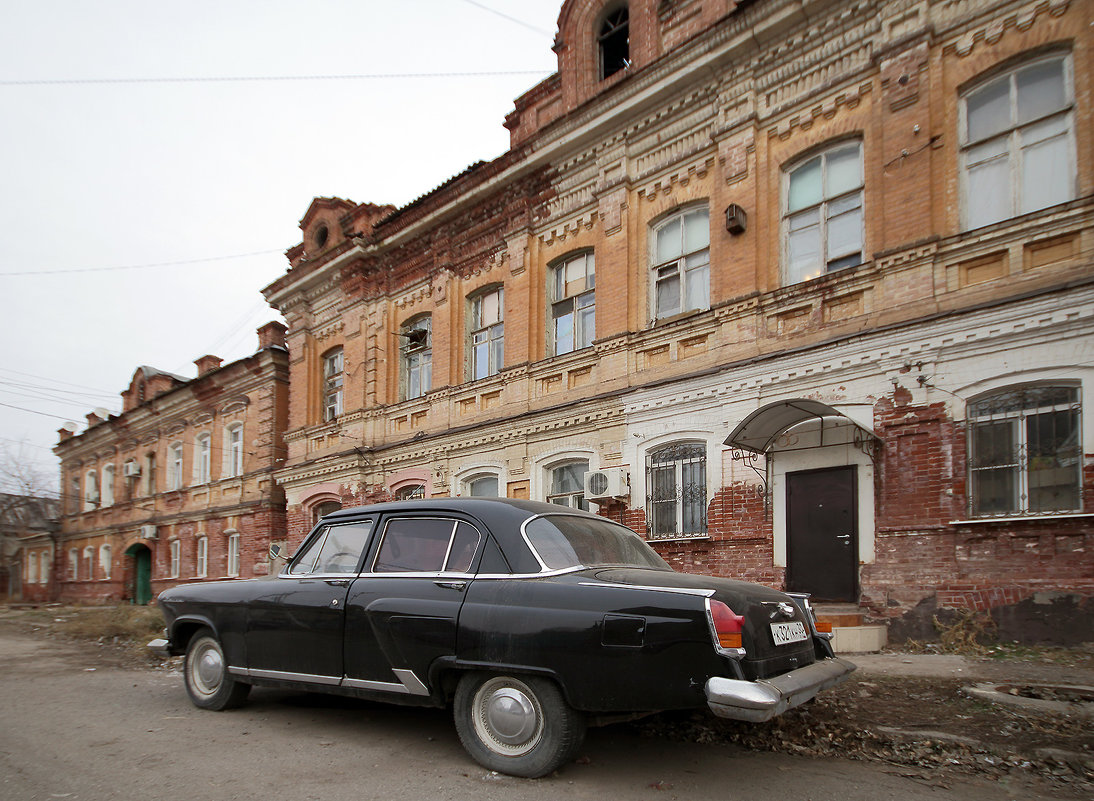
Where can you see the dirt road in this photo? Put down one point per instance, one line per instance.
(74, 727)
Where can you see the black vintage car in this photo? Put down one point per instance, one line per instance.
(531, 619)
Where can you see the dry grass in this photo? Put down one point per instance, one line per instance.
(123, 629)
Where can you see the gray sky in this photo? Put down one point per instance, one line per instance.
(127, 203)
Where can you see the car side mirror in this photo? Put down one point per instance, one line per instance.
(275, 553)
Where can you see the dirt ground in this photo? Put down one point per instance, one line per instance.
(911, 711)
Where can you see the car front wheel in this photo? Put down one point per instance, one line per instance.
(519, 726)
(208, 682)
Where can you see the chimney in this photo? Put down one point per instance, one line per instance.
(93, 419)
(272, 334)
(206, 364)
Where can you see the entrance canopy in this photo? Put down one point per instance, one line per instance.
(759, 431)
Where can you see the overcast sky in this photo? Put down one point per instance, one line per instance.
(142, 217)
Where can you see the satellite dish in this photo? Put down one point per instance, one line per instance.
(102, 413)
(71, 427)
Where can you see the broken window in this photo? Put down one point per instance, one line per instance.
(614, 42)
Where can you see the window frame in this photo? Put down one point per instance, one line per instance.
(614, 20)
(91, 490)
(73, 564)
(1018, 419)
(174, 466)
(416, 358)
(232, 555)
(32, 567)
(201, 557)
(106, 561)
(456, 525)
(558, 300)
(699, 454)
(1012, 135)
(490, 335)
(550, 494)
(333, 367)
(233, 450)
(174, 558)
(106, 490)
(682, 272)
(822, 208)
(203, 458)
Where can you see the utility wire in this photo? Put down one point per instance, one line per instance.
(519, 22)
(143, 266)
(265, 78)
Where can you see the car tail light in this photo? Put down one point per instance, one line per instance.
(727, 625)
(825, 627)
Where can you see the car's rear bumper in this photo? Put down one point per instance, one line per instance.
(763, 699)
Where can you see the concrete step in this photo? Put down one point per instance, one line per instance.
(843, 615)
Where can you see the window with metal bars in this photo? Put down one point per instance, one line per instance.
(1025, 451)
(676, 491)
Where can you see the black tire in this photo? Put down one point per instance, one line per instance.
(208, 682)
(521, 726)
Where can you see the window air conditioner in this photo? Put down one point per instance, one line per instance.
(611, 482)
(131, 469)
(148, 532)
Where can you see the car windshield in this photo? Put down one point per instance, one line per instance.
(564, 541)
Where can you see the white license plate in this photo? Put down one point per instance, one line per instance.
(786, 633)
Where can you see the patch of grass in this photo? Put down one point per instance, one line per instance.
(116, 624)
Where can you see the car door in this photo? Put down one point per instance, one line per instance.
(403, 612)
(294, 630)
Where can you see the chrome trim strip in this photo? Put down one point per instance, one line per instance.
(412, 683)
(280, 675)
(677, 590)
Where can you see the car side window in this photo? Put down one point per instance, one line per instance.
(426, 545)
(337, 549)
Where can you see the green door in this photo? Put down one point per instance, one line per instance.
(142, 574)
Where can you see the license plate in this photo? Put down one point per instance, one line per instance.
(786, 633)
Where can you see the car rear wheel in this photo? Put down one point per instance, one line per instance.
(208, 682)
(519, 726)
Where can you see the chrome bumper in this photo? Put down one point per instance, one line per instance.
(160, 647)
(763, 699)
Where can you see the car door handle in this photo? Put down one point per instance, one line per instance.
(451, 585)
(337, 582)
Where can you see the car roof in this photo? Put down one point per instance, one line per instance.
(503, 517)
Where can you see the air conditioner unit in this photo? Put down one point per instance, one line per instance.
(611, 482)
(131, 469)
(148, 532)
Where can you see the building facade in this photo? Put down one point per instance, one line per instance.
(801, 290)
(28, 536)
(179, 486)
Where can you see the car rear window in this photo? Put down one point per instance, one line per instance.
(563, 541)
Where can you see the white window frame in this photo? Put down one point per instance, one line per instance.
(334, 376)
(678, 532)
(827, 209)
(574, 500)
(232, 564)
(416, 352)
(32, 567)
(174, 466)
(203, 453)
(201, 557)
(690, 267)
(464, 479)
(74, 564)
(579, 306)
(174, 549)
(233, 450)
(487, 333)
(89, 559)
(1015, 145)
(150, 471)
(91, 490)
(106, 560)
(106, 493)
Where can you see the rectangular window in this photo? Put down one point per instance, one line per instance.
(106, 560)
(333, 369)
(417, 347)
(174, 467)
(676, 491)
(73, 564)
(573, 304)
(568, 485)
(1025, 453)
(201, 558)
(233, 555)
(108, 485)
(1018, 149)
(487, 333)
(176, 559)
(234, 452)
(32, 568)
(150, 485)
(203, 447)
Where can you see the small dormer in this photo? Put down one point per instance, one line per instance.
(147, 383)
(322, 224)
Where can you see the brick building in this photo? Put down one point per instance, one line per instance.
(179, 486)
(28, 533)
(802, 290)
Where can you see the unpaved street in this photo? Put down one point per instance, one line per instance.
(76, 728)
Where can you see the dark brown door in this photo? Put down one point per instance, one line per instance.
(822, 534)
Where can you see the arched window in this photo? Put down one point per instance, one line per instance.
(333, 379)
(676, 491)
(487, 333)
(175, 550)
(1025, 451)
(410, 492)
(323, 509)
(74, 564)
(613, 42)
(108, 485)
(233, 554)
(203, 449)
(174, 466)
(681, 262)
(483, 485)
(89, 563)
(201, 557)
(822, 213)
(91, 490)
(106, 560)
(233, 450)
(572, 294)
(417, 357)
(566, 485)
(1018, 148)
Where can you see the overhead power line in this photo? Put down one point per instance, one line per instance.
(375, 76)
(519, 22)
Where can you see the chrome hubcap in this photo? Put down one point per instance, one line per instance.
(208, 668)
(508, 718)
